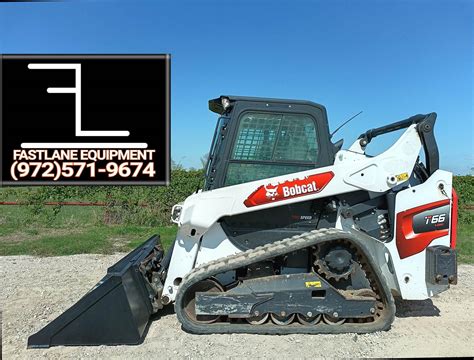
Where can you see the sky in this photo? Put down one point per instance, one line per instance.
(390, 59)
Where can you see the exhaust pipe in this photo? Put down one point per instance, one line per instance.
(116, 310)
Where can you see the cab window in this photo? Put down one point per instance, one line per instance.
(270, 145)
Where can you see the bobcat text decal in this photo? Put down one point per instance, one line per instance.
(289, 189)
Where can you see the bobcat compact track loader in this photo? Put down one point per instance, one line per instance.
(290, 234)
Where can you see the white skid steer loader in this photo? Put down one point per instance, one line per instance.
(290, 234)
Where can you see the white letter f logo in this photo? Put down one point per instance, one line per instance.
(75, 90)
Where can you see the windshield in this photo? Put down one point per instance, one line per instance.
(272, 144)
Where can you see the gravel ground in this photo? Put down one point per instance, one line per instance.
(33, 291)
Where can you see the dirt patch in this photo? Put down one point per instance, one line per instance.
(37, 234)
(119, 243)
(33, 291)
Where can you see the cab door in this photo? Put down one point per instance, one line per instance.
(272, 139)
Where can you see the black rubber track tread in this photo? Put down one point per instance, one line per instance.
(270, 251)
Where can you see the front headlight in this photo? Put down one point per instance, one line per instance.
(176, 213)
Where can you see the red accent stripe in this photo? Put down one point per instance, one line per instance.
(409, 243)
(454, 219)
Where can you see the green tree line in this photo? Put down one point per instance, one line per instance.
(151, 205)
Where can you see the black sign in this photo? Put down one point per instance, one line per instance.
(85, 119)
(431, 220)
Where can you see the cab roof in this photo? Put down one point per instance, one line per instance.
(215, 105)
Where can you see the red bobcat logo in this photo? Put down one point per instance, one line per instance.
(289, 189)
(271, 191)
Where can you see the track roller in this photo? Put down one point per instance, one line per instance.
(282, 320)
(332, 320)
(309, 320)
(258, 320)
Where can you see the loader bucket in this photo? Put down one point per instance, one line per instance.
(115, 311)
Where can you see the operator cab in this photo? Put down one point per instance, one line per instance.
(258, 138)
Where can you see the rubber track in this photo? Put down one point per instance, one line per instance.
(270, 251)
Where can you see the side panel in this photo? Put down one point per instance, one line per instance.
(408, 251)
(215, 245)
(260, 227)
(182, 262)
(188, 254)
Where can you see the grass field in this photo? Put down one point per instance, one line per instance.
(465, 243)
(79, 230)
(75, 230)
